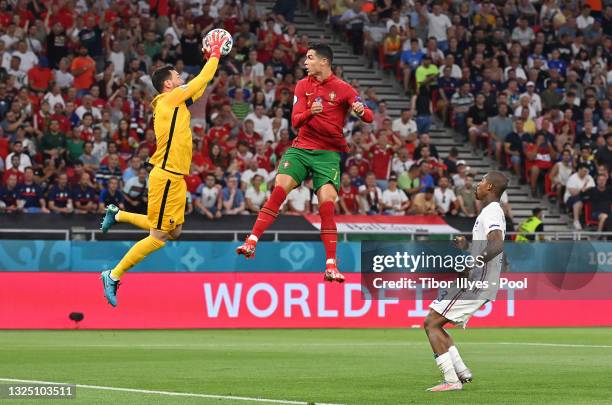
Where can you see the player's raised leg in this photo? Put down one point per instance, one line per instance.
(291, 172)
(114, 214)
(165, 214)
(440, 343)
(268, 213)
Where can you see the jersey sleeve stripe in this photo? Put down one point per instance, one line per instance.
(172, 125)
(163, 205)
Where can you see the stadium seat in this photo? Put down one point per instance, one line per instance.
(588, 209)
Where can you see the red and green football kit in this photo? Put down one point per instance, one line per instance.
(316, 149)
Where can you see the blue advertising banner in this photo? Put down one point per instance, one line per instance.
(303, 257)
(299, 257)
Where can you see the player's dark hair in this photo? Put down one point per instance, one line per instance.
(536, 211)
(323, 51)
(499, 181)
(160, 76)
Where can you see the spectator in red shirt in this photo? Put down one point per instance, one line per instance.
(348, 196)
(248, 134)
(283, 143)
(13, 170)
(40, 76)
(381, 155)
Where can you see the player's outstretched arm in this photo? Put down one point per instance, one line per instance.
(195, 88)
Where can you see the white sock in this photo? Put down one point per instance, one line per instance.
(457, 361)
(445, 364)
(112, 278)
(253, 238)
(330, 261)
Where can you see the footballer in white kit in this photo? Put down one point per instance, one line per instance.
(459, 304)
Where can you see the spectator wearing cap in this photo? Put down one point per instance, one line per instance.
(577, 184)
(534, 99)
(394, 200)
(59, 197)
(460, 175)
(424, 203)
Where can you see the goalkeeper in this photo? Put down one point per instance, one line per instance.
(171, 161)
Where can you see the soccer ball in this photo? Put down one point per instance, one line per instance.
(227, 46)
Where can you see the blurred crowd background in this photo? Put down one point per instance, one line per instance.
(524, 82)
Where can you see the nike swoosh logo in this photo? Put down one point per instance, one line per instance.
(309, 94)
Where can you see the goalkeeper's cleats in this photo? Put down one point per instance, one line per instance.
(110, 287)
(109, 218)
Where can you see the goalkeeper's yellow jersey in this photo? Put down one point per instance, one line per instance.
(172, 119)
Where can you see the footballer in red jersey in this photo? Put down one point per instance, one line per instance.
(321, 104)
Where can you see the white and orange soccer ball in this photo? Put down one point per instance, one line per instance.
(227, 46)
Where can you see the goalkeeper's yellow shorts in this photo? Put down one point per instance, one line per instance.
(167, 198)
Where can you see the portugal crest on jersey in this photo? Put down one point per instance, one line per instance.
(332, 96)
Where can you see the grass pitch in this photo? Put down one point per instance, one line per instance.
(511, 366)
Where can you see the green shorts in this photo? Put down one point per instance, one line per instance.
(323, 165)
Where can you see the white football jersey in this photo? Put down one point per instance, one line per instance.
(491, 218)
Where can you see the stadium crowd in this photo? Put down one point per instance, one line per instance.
(526, 82)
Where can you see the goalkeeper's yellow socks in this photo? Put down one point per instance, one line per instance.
(138, 252)
(139, 220)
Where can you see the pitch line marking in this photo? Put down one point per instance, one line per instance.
(169, 393)
(188, 346)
